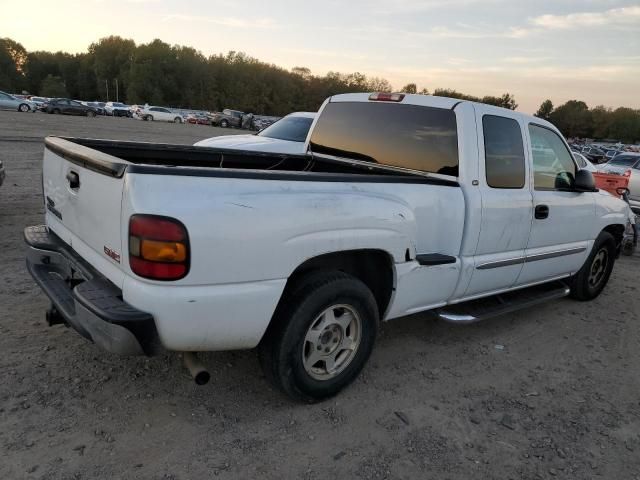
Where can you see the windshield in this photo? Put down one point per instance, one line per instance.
(623, 161)
(293, 129)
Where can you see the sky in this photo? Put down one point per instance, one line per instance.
(557, 49)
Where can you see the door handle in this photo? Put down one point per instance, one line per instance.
(73, 179)
(542, 211)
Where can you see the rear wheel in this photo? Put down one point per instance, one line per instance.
(91, 113)
(56, 111)
(177, 120)
(321, 336)
(23, 107)
(589, 282)
(224, 124)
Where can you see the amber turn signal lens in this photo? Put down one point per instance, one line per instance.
(163, 251)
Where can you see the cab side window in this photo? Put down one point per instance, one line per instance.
(553, 167)
(503, 152)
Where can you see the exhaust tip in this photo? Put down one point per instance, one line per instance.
(197, 370)
(202, 378)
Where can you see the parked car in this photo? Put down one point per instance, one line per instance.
(97, 106)
(65, 106)
(287, 135)
(117, 109)
(10, 102)
(621, 163)
(405, 203)
(594, 154)
(159, 114)
(198, 119)
(38, 101)
(2, 173)
(227, 118)
(583, 162)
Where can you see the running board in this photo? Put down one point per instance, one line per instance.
(482, 308)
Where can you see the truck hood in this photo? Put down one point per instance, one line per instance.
(253, 143)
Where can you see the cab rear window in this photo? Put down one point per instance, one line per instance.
(406, 136)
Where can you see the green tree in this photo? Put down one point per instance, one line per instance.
(573, 119)
(53, 87)
(111, 59)
(545, 110)
(409, 88)
(13, 57)
(625, 125)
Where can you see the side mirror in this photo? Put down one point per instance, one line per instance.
(584, 182)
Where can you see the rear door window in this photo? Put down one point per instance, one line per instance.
(406, 136)
(503, 152)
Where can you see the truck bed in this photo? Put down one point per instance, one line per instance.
(115, 157)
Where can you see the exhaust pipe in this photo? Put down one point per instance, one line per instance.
(197, 370)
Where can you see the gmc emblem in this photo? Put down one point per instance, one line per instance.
(111, 254)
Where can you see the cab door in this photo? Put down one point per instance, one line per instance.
(506, 201)
(562, 226)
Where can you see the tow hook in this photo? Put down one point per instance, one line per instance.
(197, 370)
(53, 317)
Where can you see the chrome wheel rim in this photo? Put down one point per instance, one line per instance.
(331, 342)
(598, 267)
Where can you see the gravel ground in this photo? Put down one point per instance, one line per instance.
(552, 392)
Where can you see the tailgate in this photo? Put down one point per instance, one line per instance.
(83, 192)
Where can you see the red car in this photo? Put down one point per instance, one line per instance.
(198, 119)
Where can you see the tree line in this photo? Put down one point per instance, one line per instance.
(116, 68)
(576, 120)
(177, 76)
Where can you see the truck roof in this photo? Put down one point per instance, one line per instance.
(440, 102)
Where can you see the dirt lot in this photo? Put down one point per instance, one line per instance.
(553, 392)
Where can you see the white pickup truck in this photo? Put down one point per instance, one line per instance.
(402, 204)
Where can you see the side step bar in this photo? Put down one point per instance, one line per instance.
(482, 308)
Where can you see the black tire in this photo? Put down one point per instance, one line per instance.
(177, 120)
(591, 279)
(224, 124)
(282, 350)
(91, 113)
(149, 118)
(55, 111)
(23, 107)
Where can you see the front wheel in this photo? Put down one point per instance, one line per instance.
(224, 124)
(591, 279)
(321, 336)
(149, 118)
(24, 107)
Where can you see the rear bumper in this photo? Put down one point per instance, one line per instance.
(87, 301)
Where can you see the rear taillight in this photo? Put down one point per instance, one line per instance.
(158, 247)
(386, 97)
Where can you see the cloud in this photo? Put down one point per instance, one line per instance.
(232, 22)
(326, 53)
(624, 16)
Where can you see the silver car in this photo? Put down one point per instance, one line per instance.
(9, 102)
(619, 164)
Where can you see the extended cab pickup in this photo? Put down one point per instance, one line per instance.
(403, 203)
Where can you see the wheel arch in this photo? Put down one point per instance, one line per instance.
(373, 267)
(617, 231)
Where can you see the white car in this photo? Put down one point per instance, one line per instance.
(287, 135)
(583, 162)
(403, 204)
(158, 114)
